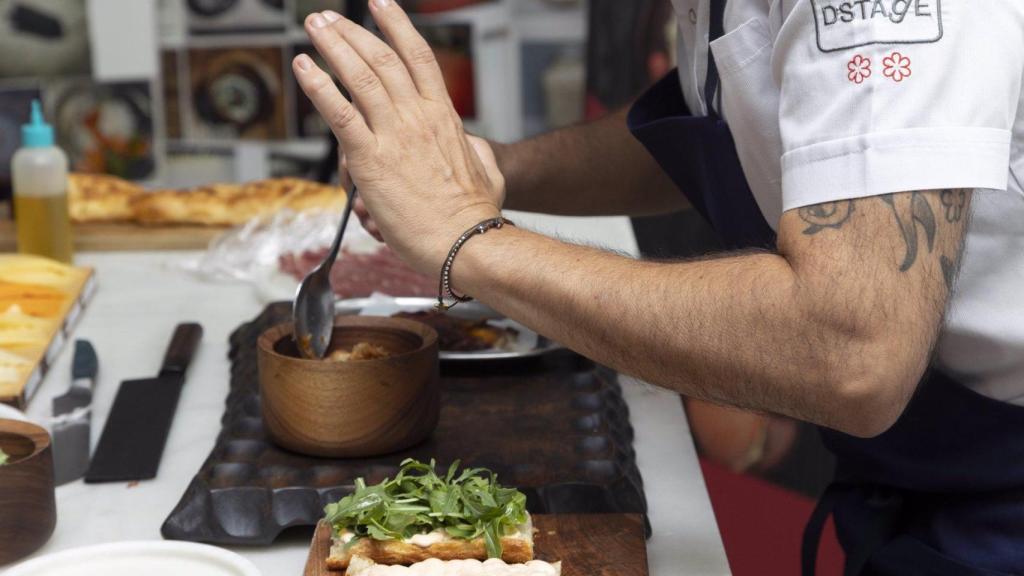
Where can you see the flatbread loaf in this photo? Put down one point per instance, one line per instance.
(98, 198)
(101, 198)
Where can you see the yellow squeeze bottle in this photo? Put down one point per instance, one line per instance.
(40, 176)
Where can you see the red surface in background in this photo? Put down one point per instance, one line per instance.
(762, 525)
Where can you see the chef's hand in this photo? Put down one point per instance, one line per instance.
(417, 172)
(483, 150)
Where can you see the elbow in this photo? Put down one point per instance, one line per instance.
(873, 396)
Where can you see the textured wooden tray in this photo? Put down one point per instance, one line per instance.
(557, 428)
(586, 544)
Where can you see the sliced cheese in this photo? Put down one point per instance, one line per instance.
(37, 271)
(13, 368)
(19, 330)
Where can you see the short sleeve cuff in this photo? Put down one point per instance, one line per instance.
(896, 161)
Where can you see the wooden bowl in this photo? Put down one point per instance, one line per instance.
(28, 511)
(351, 409)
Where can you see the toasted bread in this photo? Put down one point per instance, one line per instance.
(101, 198)
(516, 548)
(361, 566)
(234, 204)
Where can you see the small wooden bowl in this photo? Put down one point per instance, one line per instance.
(351, 409)
(28, 511)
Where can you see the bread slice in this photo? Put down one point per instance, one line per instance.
(515, 548)
(101, 198)
(365, 567)
(234, 204)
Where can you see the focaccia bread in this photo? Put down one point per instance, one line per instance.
(361, 566)
(101, 198)
(515, 548)
(234, 204)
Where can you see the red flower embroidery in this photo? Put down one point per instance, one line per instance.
(897, 66)
(859, 69)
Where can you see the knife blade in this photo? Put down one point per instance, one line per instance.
(136, 430)
(72, 417)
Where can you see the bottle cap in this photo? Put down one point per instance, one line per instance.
(37, 133)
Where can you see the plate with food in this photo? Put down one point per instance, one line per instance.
(461, 521)
(470, 331)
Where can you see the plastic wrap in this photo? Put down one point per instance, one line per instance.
(252, 253)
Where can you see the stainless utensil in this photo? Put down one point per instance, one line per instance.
(72, 417)
(313, 311)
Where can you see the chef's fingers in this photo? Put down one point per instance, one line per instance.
(367, 91)
(345, 121)
(411, 47)
(344, 178)
(366, 220)
(380, 57)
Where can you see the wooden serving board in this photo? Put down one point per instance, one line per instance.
(19, 394)
(126, 237)
(586, 544)
(556, 427)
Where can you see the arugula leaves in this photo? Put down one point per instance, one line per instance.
(467, 505)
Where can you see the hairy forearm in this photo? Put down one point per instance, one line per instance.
(592, 169)
(742, 330)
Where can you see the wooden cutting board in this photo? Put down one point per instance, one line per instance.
(18, 394)
(586, 544)
(117, 237)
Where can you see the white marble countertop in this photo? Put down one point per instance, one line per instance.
(142, 296)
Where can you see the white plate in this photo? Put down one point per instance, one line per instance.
(527, 343)
(155, 558)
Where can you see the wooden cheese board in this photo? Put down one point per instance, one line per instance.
(586, 544)
(127, 237)
(18, 392)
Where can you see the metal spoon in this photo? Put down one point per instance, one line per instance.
(313, 311)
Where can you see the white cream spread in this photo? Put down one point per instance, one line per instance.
(429, 539)
(437, 536)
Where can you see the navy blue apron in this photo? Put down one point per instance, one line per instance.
(942, 492)
(699, 154)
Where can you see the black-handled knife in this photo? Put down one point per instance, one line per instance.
(136, 431)
(72, 417)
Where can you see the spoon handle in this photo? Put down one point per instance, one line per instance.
(336, 246)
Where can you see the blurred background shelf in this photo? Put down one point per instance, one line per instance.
(189, 96)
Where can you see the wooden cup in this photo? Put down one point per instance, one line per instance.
(28, 511)
(351, 409)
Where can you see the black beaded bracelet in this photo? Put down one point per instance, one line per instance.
(444, 288)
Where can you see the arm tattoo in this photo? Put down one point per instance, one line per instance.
(949, 270)
(911, 211)
(954, 201)
(828, 215)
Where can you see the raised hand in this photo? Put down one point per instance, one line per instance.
(422, 181)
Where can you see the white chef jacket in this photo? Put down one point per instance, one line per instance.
(838, 99)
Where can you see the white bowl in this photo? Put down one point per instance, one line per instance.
(156, 558)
